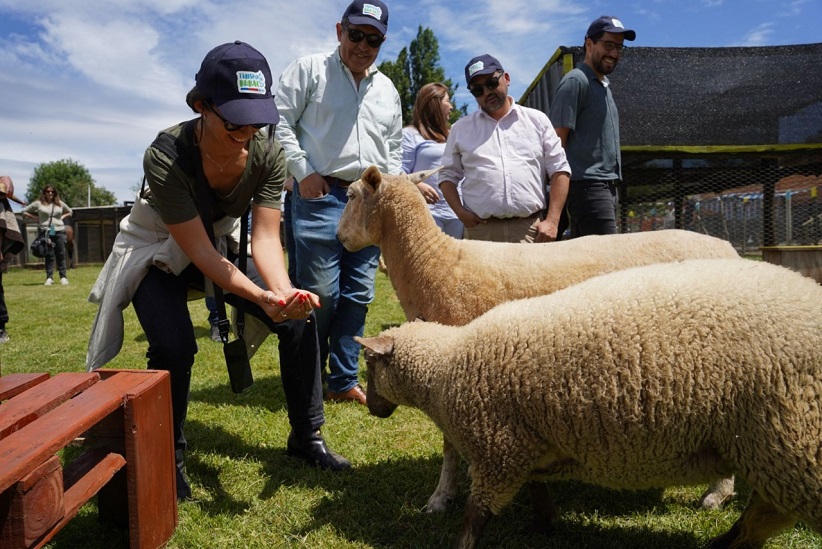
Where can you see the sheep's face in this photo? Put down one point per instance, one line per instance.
(377, 352)
(361, 223)
(358, 226)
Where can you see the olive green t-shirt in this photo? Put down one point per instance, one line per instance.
(172, 187)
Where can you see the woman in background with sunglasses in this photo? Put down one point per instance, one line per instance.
(50, 213)
(503, 154)
(200, 173)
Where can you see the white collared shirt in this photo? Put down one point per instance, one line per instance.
(505, 163)
(330, 126)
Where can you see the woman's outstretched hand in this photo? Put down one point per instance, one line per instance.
(294, 305)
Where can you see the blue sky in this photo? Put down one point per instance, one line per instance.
(95, 80)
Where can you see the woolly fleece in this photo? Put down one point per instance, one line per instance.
(654, 376)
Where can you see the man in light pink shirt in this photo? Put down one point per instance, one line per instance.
(505, 152)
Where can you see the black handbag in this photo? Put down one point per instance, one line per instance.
(41, 246)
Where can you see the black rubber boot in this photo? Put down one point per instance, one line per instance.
(183, 487)
(310, 447)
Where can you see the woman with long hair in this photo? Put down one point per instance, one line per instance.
(50, 212)
(423, 143)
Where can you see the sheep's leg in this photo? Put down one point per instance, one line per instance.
(473, 522)
(759, 521)
(718, 493)
(545, 513)
(447, 487)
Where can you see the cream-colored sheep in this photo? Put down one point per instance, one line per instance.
(661, 375)
(441, 279)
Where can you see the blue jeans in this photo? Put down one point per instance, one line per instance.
(211, 305)
(288, 233)
(592, 207)
(343, 280)
(453, 227)
(162, 309)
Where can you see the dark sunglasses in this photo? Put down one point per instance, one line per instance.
(230, 127)
(373, 40)
(611, 46)
(492, 84)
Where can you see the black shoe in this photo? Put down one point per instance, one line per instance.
(310, 447)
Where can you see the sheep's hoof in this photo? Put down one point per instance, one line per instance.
(718, 494)
(436, 504)
(726, 540)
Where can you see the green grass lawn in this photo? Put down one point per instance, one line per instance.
(248, 493)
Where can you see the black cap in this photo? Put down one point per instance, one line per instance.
(481, 64)
(236, 77)
(368, 12)
(609, 23)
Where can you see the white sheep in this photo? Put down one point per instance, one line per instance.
(661, 375)
(441, 279)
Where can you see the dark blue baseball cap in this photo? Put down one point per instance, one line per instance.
(236, 77)
(609, 23)
(481, 64)
(368, 12)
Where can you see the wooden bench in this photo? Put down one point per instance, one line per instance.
(124, 417)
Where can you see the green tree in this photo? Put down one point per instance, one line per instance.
(416, 66)
(72, 181)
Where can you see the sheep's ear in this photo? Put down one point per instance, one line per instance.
(380, 345)
(371, 179)
(416, 177)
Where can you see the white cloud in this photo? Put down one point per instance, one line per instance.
(759, 36)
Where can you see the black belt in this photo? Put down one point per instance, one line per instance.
(530, 216)
(336, 181)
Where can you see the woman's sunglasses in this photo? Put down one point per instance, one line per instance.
(230, 127)
(492, 84)
(373, 40)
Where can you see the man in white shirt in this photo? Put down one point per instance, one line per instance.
(338, 116)
(505, 152)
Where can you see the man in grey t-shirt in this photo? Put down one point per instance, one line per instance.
(586, 120)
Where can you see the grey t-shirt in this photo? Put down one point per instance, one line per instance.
(584, 105)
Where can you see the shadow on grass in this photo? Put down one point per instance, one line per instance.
(266, 392)
(380, 505)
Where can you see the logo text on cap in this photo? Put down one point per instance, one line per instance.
(251, 82)
(478, 66)
(372, 10)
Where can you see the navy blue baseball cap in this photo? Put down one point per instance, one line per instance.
(481, 64)
(609, 23)
(237, 78)
(368, 12)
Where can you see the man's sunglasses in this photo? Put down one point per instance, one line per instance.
(373, 40)
(611, 46)
(492, 84)
(230, 127)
